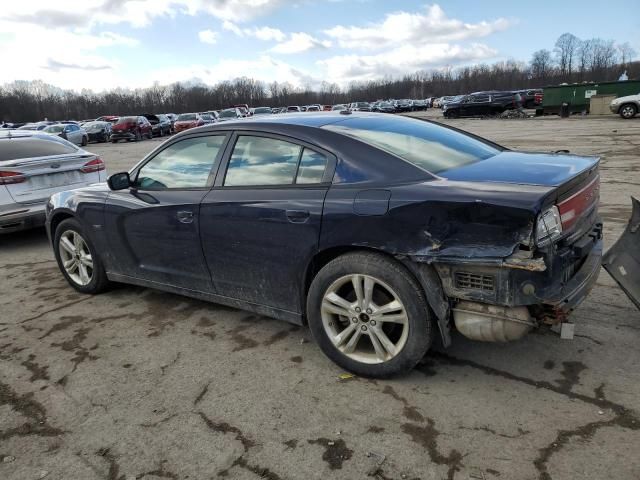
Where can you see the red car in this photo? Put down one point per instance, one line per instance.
(131, 128)
(185, 121)
(107, 118)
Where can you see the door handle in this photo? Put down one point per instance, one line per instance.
(185, 216)
(298, 216)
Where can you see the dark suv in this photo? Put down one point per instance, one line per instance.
(131, 128)
(482, 104)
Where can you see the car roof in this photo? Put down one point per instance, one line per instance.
(319, 119)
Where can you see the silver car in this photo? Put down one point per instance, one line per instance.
(35, 165)
(69, 131)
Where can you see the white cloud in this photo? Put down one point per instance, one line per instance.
(401, 28)
(208, 36)
(300, 42)
(268, 33)
(232, 27)
(261, 33)
(399, 61)
(264, 68)
(138, 13)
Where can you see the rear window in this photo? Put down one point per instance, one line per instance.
(424, 144)
(186, 116)
(17, 148)
(127, 120)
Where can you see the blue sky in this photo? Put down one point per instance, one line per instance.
(103, 44)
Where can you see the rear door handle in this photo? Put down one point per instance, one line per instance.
(185, 216)
(298, 216)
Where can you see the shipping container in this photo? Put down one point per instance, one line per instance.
(578, 95)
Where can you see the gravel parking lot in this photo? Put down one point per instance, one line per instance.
(141, 384)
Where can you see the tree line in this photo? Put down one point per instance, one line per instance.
(572, 60)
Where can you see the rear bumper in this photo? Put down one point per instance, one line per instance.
(551, 291)
(22, 217)
(569, 296)
(123, 136)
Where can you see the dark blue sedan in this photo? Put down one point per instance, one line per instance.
(379, 232)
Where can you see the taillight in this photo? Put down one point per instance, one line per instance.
(94, 165)
(7, 177)
(577, 204)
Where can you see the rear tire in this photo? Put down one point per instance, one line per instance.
(84, 142)
(628, 111)
(380, 334)
(138, 136)
(78, 259)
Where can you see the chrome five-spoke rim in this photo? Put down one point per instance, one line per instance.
(365, 319)
(76, 257)
(627, 111)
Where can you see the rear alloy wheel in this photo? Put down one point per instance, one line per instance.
(77, 259)
(369, 315)
(628, 111)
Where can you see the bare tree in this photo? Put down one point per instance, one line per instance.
(541, 64)
(627, 53)
(565, 48)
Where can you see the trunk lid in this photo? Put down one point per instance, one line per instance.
(44, 176)
(546, 169)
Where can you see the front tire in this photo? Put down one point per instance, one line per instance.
(369, 315)
(628, 111)
(78, 259)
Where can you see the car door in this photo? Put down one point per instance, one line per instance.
(153, 227)
(260, 224)
(76, 134)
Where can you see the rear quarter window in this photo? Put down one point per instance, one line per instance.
(17, 148)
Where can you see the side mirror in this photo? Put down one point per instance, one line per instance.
(119, 181)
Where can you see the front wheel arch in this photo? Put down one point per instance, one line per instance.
(56, 220)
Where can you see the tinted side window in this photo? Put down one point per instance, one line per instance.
(185, 164)
(15, 148)
(262, 161)
(312, 166)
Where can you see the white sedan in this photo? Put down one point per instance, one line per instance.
(35, 165)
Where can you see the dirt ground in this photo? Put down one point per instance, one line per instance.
(140, 384)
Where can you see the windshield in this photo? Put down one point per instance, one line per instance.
(260, 110)
(424, 144)
(228, 114)
(185, 117)
(206, 116)
(54, 128)
(94, 126)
